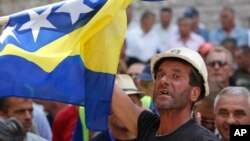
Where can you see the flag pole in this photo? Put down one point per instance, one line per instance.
(4, 20)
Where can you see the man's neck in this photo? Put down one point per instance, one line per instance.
(226, 83)
(185, 38)
(229, 29)
(172, 120)
(165, 26)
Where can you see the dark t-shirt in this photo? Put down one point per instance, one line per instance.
(106, 136)
(148, 125)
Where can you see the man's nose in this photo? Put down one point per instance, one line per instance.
(28, 114)
(230, 120)
(164, 80)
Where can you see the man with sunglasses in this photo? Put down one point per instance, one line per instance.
(219, 63)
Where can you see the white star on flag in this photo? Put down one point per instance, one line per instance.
(37, 22)
(8, 32)
(74, 8)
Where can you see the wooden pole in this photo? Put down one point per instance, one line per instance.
(4, 20)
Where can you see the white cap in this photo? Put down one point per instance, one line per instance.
(188, 55)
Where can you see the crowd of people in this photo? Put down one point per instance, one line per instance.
(175, 81)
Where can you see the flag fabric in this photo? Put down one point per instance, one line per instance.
(67, 52)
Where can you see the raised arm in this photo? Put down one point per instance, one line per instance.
(125, 110)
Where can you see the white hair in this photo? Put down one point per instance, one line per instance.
(233, 90)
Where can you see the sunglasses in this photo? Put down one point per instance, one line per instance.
(219, 63)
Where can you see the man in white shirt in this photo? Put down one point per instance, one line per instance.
(185, 36)
(142, 41)
(165, 29)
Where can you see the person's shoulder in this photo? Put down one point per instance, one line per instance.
(136, 29)
(197, 36)
(148, 124)
(33, 137)
(238, 27)
(174, 38)
(149, 119)
(217, 30)
(147, 113)
(203, 134)
(157, 27)
(68, 109)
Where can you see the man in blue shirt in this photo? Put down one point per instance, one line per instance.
(229, 29)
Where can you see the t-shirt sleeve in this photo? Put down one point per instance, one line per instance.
(148, 124)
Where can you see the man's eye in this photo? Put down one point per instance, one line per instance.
(159, 76)
(239, 114)
(175, 76)
(223, 114)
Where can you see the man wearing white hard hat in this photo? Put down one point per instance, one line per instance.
(180, 77)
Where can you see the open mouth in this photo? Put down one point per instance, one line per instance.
(164, 92)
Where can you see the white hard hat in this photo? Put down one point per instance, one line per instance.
(188, 55)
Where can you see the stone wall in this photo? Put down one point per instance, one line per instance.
(209, 9)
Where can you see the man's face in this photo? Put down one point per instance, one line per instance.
(21, 109)
(241, 59)
(185, 27)
(148, 23)
(195, 20)
(172, 87)
(129, 13)
(227, 19)
(166, 19)
(134, 70)
(219, 68)
(207, 114)
(233, 110)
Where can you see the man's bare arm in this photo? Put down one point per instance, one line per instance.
(125, 110)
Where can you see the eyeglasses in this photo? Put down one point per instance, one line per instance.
(219, 63)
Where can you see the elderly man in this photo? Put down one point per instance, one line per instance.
(231, 107)
(180, 77)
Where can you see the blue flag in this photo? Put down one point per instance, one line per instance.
(67, 52)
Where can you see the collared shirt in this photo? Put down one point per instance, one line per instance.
(33, 137)
(141, 45)
(238, 33)
(194, 42)
(41, 122)
(203, 32)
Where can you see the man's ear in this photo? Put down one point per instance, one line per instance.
(195, 93)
